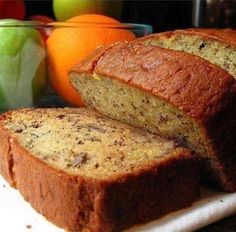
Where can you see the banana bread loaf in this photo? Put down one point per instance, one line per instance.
(171, 93)
(215, 45)
(85, 172)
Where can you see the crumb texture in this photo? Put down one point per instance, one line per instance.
(84, 142)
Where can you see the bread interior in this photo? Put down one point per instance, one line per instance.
(138, 108)
(82, 142)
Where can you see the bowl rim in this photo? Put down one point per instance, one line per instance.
(53, 25)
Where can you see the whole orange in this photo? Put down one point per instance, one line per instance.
(68, 45)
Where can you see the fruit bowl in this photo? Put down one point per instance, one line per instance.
(138, 29)
(36, 57)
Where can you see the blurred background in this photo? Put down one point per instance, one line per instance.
(163, 15)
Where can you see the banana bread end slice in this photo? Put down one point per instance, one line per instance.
(85, 172)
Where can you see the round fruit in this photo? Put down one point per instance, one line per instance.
(12, 9)
(23, 70)
(65, 9)
(41, 18)
(68, 45)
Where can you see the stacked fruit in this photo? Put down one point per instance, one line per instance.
(25, 46)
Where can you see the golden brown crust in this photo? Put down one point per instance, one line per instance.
(90, 62)
(129, 201)
(190, 83)
(77, 203)
(6, 159)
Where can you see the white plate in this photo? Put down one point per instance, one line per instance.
(16, 215)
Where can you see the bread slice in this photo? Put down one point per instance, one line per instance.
(85, 172)
(215, 45)
(171, 93)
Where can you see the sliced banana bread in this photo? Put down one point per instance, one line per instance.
(171, 93)
(215, 45)
(85, 172)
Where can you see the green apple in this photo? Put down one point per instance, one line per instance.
(22, 64)
(66, 9)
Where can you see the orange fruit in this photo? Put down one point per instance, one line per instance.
(67, 46)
